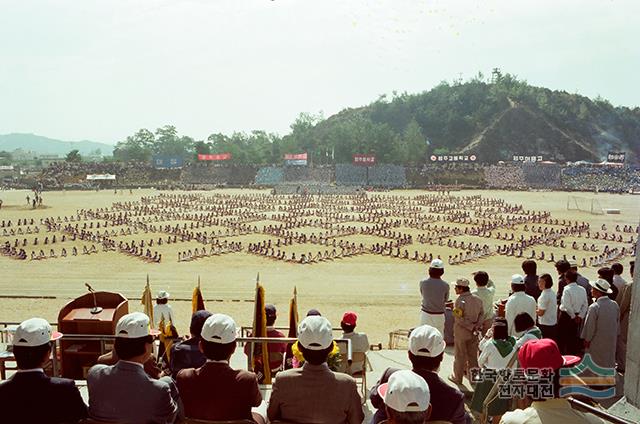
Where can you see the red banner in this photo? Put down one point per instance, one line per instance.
(219, 156)
(364, 160)
(300, 156)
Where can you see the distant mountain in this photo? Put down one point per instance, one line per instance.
(50, 146)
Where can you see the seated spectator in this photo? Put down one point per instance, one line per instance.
(359, 341)
(406, 398)
(150, 367)
(276, 350)
(526, 326)
(187, 354)
(31, 396)
(314, 393)
(539, 355)
(124, 392)
(215, 391)
(426, 351)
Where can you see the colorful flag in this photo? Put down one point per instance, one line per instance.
(147, 301)
(197, 302)
(260, 357)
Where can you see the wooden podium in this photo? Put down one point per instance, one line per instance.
(75, 318)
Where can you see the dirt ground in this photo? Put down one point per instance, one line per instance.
(383, 291)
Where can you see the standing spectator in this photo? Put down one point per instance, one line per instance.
(618, 280)
(485, 290)
(314, 393)
(547, 308)
(215, 391)
(542, 355)
(582, 281)
(467, 326)
(600, 331)
(187, 354)
(406, 398)
(530, 269)
(562, 266)
(359, 341)
(124, 392)
(31, 396)
(573, 309)
(162, 310)
(606, 274)
(625, 307)
(426, 350)
(435, 294)
(496, 352)
(517, 303)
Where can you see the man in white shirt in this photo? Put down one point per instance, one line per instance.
(518, 303)
(485, 290)
(359, 341)
(618, 281)
(547, 308)
(573, 309)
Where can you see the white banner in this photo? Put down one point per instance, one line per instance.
(6, 167)
(101, 177)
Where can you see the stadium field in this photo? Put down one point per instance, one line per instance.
(383, 290)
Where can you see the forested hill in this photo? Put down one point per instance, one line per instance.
(492, 120)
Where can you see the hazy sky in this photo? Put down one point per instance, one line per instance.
(100, 70)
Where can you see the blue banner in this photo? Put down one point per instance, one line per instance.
(167, 162)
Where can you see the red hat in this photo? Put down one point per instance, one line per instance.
(350, 318)
(544, 354)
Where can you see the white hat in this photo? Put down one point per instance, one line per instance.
(163, 294)
(219, 328)
(406, 391)
(426, 341)
(517, 279)
(134, 325)
(462, 282)
(314, 333)
(437, 264)
(34, 332)
(601, 285)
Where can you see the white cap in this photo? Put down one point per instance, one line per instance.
(134, 326)
(437, 264)
(426, 341)
(406, 391)
(219, 328)
(34, 332)
(314, 333)
(462, 282)
(601, 285)
(163, 294)
(517, 279)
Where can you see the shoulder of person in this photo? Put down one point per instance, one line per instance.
(514, 417)
(98, 369)
(245, 375)
(59, 381)
(285, 375)
(185, 373)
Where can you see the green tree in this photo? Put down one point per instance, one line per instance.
(137, 147)
(74, 156)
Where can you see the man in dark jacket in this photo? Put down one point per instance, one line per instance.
(30, 396)
(426, 350)
(187, 354)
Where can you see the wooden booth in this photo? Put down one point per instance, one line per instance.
(76, 320)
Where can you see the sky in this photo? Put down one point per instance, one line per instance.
(101, 69)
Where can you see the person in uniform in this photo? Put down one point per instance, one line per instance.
(600, 330)
(435, 294)
(162, 310)
(469, 317)
(31, 396)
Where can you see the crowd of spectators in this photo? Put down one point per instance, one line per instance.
(347, 174)
(387, 176)
(542, 175)
(600, 178)
(269, 175)
(505, 176)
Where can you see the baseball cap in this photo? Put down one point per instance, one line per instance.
(437, 264)
(601, 285)
(426, 341)
(270, 310)
(462, 282)
(219, 328)
(517, 279)
(544, 354)
(573, 264)
(314, 333)
(197, 321)
(350, 318)
(34, 332)
(162, 294)
(133, 326)
(406, 391)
